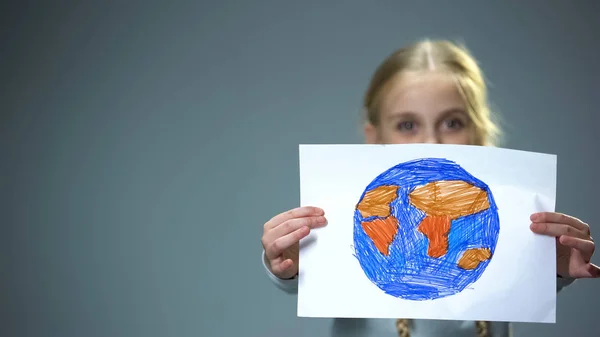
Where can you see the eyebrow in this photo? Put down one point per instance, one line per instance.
(403, 114)
(413, 115)
(452, 111)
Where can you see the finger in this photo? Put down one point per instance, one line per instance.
(593, 270)
(553, 217)
(277, 247)
(298, 212)
(281, 268)
(288, 227)
(587, 247)
(584, 270)
(557, 229)
(294, 224)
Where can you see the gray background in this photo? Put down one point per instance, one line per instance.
(144, 145)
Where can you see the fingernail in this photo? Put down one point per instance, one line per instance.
(534, 226)
(535, 217)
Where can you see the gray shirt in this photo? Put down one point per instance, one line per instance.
(351, 327)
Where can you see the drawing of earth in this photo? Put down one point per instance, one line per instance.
(425, 229)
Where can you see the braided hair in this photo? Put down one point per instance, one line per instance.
(402, 325)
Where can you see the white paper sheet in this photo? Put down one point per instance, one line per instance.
(517, 283)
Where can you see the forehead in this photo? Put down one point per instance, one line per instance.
(424, 93)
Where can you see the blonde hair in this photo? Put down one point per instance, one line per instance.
(482, 327)
(437, 55)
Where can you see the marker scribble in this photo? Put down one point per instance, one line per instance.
(425, 229)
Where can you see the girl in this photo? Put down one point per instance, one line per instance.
(428, 92)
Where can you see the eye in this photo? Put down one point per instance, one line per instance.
(454, 123)
(406, 126)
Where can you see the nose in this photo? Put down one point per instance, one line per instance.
(431, 137)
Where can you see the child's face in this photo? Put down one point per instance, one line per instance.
(423, 107)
